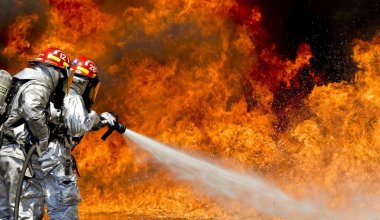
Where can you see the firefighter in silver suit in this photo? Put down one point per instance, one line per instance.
(25, 125)
(68, 127)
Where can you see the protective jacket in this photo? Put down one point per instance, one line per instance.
(62, 192)
(77, 119)
(26, 122)
(27, 116)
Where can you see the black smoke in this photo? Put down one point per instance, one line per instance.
(328, 26)
(9, 11)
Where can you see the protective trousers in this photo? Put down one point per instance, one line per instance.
(32, 195)
(62, 192)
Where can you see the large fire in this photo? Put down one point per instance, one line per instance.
(204, 76)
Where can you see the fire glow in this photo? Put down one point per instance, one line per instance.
(203, 75)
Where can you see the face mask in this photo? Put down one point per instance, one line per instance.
(80, 84)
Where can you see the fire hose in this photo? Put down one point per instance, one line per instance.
(120, 128)
(21, 180)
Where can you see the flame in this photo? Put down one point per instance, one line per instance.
(203, 75)
(17, 42)
(340, 139)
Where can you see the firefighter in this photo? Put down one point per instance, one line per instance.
(68, 127)
(25, 124)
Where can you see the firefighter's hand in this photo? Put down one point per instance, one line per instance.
(54, 114)
(108, 118)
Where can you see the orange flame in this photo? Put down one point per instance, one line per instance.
(202, 75)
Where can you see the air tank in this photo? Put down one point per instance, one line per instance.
(5, 85)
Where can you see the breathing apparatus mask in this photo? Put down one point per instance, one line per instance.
(87, 87)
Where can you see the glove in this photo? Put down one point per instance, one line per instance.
(108, 118)
(54, 115)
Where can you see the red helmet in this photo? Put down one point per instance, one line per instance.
(53, 56)
(84, 67)
(56, 58)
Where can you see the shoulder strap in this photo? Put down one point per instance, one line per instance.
(16, 84)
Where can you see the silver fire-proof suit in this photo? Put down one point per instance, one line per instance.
(62, 193)
(27, 117)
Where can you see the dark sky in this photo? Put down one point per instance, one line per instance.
(329, 26)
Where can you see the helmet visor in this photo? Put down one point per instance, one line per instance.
(94, 92)
(69, 81)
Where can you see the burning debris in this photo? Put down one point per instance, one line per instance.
(228, 79)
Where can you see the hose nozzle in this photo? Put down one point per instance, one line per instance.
(120, 128)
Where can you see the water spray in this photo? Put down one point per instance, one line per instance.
(250, 190)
